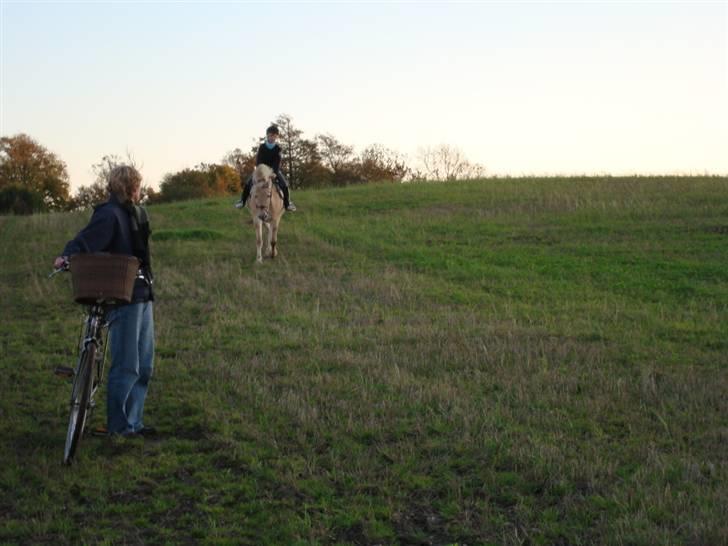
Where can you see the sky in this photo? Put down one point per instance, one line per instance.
(522, 88)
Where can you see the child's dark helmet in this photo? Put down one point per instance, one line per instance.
(272, 130)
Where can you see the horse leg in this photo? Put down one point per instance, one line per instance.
(274, 237)
(258, 239)
(268, 248)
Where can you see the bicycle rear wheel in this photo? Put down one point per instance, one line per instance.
(80, 397)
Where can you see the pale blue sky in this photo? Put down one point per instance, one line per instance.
(520, 87)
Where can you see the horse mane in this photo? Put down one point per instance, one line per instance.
(262, 172)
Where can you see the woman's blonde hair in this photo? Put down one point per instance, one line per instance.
(124, 181)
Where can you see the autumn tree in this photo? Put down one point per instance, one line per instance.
(223, 179)
(182, 185)
(205, 180)
(242, 162)
(378, 163)
(24, 163)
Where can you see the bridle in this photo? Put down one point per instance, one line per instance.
(269, 189)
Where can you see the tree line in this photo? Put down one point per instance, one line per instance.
(34, 179)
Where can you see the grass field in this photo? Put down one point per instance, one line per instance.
(522, 361)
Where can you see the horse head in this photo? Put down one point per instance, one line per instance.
(263, 178)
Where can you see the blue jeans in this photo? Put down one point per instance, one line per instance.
(131, 341)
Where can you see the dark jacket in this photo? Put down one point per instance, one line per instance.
(118, 229)
(272, 158)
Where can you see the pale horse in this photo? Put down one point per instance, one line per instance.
(266, 207)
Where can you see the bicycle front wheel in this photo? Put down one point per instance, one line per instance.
(80, 397)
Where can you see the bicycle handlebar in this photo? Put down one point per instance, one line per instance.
(57, 270)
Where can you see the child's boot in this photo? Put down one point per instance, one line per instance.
(287, 199)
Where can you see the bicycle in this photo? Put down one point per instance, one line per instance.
(99, 281)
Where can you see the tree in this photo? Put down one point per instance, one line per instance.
(447, 163)
(301, 158)
(17, 200)
(205, 180)
(222, 179)
(311, 171)
(334, 154)
(378, 163)
(98, 191)
(241, 161)
(290, 141)
(90, 196)
(337, 157)
(184, 184)
(24, 163)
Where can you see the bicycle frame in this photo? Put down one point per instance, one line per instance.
(95, 331)
(87, 376)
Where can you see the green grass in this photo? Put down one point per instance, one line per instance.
(522, 361)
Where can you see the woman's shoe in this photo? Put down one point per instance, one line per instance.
(147, 431)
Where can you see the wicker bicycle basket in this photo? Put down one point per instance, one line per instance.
(103, 278)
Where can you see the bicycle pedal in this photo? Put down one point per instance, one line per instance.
(63, 371)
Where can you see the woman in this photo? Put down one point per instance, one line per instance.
(120, 226)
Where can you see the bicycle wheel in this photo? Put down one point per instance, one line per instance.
(80, 396)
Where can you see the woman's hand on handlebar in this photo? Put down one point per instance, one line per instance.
(59, 264)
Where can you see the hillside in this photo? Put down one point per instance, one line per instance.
(525, 361)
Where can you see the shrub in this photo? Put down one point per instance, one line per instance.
(15, 200)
